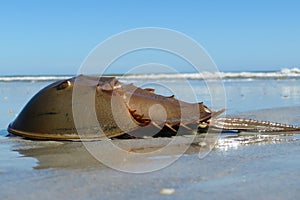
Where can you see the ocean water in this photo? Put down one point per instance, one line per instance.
(239, 165)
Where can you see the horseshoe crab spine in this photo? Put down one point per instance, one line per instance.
(250, 125)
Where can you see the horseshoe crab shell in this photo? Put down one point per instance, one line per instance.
(49, 114)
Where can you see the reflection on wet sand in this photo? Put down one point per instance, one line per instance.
(73, 155)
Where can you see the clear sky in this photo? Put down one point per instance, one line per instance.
(54, 37)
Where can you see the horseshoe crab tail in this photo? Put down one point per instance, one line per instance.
(249, 125)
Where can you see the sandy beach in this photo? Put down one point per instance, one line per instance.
(240, 166)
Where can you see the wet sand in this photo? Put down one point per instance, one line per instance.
(239, 167)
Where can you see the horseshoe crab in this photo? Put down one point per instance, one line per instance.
(121, 110)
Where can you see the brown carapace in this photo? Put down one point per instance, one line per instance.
(85, 107)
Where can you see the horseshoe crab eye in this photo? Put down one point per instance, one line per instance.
(63, 85)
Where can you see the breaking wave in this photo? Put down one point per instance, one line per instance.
(282, 74)
(32, 78)
(285, 73)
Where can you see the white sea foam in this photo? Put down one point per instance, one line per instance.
(32, 78)
(282, 74)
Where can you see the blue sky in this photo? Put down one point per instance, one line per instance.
(54, 37)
